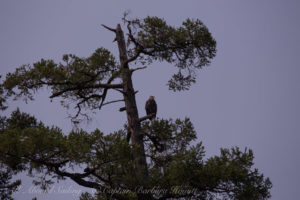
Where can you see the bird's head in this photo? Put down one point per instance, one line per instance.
(152, 97)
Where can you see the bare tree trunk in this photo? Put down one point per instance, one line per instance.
(133, 116)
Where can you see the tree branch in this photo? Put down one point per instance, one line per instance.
(133, 58)
(77, 177)
(105, 86)
(122, 109)
(156, 142)
(115, 101)
(147, 117)
(138, 47)
(11, 186)
(108, 28)
(121, 91)
(114, 75)
(138, 68)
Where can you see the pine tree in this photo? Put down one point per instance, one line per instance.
(159, 162)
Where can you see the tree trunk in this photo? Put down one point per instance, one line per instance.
(133, 116)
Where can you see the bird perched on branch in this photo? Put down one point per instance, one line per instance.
(151, 107)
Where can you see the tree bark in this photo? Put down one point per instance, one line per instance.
(133, 116)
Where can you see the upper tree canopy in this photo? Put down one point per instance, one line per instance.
(86, 81)
(160, 162)
(188, 47)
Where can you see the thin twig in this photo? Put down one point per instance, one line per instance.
(115, 101)
(121, 91)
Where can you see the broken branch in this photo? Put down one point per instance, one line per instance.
(108, 28)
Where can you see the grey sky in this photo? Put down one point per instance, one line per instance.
(248, 97)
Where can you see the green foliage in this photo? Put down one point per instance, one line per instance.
(87, 196)
(85, 81)
(41, 149)
(76, 79)
(166, 134)
(232, 170)
(175, 166)
(2, 98)
(6, 187)
(175, 169)
(20, 120)
(189, 46)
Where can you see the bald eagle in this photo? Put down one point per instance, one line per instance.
(151, 107)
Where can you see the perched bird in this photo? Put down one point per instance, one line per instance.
(151, 107)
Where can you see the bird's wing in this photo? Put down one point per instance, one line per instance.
(147, 107)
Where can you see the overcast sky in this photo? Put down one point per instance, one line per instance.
(248, 97)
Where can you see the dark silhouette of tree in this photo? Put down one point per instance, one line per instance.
(159, 162)
(6, 186)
